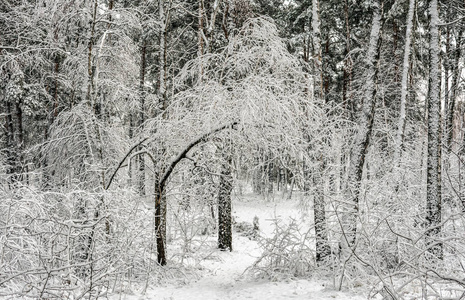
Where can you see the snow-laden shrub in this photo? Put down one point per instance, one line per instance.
(191, 232)
(53, 248)
(392, 254)
(289, 253)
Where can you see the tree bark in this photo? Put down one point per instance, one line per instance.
(404, 84)
(224, 204)
(433, 190)
(346, 98)
(317, 45)
(160, 222)
(451, 107)
(319, 212)
(90, 66)
(162, 57)
(160, 182)
(323, 249)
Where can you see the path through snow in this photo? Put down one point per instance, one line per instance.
(223, 278)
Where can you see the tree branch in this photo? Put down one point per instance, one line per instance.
(184, 152)
(122, 161)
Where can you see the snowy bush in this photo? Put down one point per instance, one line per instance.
(289, 253)
(250, 230)
(391, 255)
(53, 249)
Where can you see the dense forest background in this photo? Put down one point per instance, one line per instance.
(127, 126)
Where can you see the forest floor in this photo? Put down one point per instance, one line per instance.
(224, 274)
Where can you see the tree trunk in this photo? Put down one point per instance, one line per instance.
(160, 221)
(451, 107)
(319, 216)
(211, 25)
(404, 84)
(160, 196)
(96, 158)
(162, 59)
(317, 45)
(319, 213)
(365, 124)
(433, 191)
(141, 160)
(90, 66)
(346, 98)
(224, 204)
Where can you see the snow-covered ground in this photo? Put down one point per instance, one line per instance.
(225, 278)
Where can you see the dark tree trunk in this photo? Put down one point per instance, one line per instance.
(346, 99)
(224, 205)
(160, 223)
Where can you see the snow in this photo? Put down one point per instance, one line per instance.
(224, 275)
